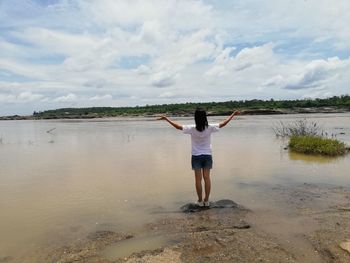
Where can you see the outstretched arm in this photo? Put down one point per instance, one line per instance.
(222, 124)
(176, 125)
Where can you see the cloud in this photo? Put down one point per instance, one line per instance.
(182, 53)
(101, 97)
(263, 21)
(68, 98)
(96, 83)
(143, 70)
(274, 81)
(25, 69)
(245, 59)
(180, 14)
(23, 97)
(315, 74)
(57, 41)
(163, 79)
(167, 95)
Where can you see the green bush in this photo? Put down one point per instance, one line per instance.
(317, 145)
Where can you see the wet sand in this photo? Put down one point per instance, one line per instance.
(311, 226)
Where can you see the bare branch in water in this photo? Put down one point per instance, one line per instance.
(49, 131)
(299, 128)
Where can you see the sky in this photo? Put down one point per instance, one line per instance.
(84, 53)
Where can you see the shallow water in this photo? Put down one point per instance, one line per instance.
(127, 247)
(118, 174)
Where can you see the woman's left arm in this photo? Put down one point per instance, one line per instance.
(174, 124)
(222, 124)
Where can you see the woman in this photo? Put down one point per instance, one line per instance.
(201, 160)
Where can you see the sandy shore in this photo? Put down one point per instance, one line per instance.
(313, 226)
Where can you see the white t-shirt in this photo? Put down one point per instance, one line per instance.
(200, 140)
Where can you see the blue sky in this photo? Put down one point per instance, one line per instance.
(79, 53)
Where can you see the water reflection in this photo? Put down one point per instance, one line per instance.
(312, 158)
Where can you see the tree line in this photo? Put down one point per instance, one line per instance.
(184, 109)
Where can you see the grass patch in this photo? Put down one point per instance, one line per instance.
(317, 145)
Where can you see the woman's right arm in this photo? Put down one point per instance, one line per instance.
(222, 124)
(174, 124)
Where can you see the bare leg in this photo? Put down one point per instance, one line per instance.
(207, 183)
(198, 176)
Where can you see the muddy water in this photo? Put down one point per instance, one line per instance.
(60, 180)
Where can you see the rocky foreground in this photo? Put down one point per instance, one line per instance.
(314, 226)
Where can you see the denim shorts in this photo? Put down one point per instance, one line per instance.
(203, 161)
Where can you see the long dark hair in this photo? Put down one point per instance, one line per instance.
(200, 117)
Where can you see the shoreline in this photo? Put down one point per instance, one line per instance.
(313, 226)
(320, 110)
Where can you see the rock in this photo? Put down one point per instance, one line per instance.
(241, 225)
(192, 208)
(105, 235)
(345, 246)
(99, 235)
(201, 229)
(224, 203)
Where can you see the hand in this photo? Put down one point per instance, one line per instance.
(163, 117)
(236, 112)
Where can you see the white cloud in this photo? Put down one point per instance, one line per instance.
(25, 69)
(59, 42)
(256, 20)
(101, 97)
(181, 14)
(68, 98)
(315, 74)
(274, 81)
(245, 59)
(312, 75)
(143, 70)
(163, 79)
(167, 95)
(151, 32)
(23, 97)
(180, 54)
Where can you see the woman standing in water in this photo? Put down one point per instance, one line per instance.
(201, 160)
